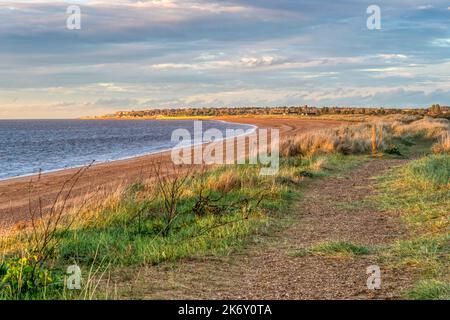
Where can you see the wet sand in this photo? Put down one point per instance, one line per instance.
(106, 178)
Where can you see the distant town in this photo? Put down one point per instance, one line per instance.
(435, 110)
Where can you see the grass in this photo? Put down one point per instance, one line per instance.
(430, 290)
(423, 200)
(433, 171)
(335, 249)
(376, 137)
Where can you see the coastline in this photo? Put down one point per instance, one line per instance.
(145, 154)
(108, 177)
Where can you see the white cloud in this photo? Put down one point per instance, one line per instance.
(425, 7)
(391, 56)
(438, 70)
(243, 62)
(441, 43)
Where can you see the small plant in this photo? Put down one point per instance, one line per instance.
(205, 204)
(305, 174)
(170, 186)
(3, 269)
(25, 276)
(393, 149)
(49, 224)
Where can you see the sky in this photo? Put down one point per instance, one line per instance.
(134, 55)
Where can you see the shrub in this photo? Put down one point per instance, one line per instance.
(393, 149)
(170, 187)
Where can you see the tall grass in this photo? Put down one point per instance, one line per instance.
(427, 128)
(367, 137)
(351, 139)
(443, 143)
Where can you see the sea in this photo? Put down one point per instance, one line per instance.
(31, 146)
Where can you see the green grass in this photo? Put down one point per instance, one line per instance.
(422, 197)
(335, 249)
(412, 147)
(430, 290)
(433, 170)
(124, 246)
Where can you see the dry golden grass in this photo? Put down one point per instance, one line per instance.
(226, 182)
(427, 127)
(350, 139)
(363, 139)
(318, 164)
(443, 144)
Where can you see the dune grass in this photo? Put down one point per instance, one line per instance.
(371, 137)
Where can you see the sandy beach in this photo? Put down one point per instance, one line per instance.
(106, 178)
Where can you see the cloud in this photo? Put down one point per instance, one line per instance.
(243, 62)
(116, 102)
(256, 52)
(443, 43)
(408, 96)
(391, 56)
(425, 7)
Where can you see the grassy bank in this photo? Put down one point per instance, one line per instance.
(422, 198)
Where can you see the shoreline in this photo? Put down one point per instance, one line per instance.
(107, 178)
(152, 153)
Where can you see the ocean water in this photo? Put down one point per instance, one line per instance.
(28, 146)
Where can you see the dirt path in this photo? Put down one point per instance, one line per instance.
(331, 209)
